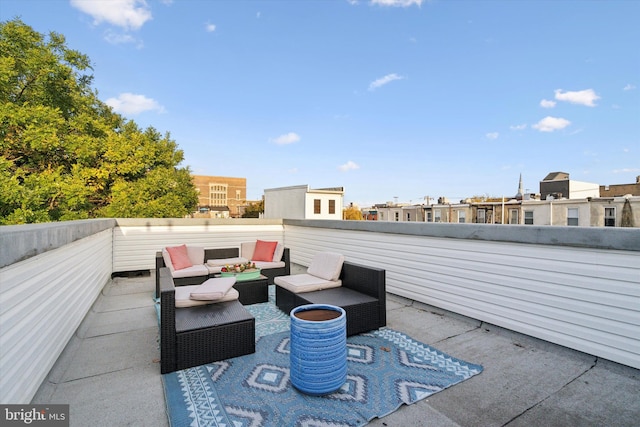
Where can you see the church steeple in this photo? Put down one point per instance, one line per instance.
(520, 193)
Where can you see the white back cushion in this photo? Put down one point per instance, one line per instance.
(167, 259)
(196, 254)
(277, 254)
(247, 249)
(326, 265)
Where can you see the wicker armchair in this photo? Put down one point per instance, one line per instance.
(195, 336)
(362, 296)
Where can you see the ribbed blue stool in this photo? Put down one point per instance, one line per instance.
(318, 348)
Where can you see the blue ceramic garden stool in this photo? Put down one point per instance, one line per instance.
(318, 348)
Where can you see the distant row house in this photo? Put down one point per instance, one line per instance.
(561, 202)
(302, 202)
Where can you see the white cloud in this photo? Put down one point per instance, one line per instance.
(399, 3)
(629, 86)
(518, 127)
(546, 103)
(627, 170)
(128, 14)
(119, 38)
(384, 80)
(130, 103)
(550, 124)
(349, 166)
(210, 28)
(583, 97)
(492, 135)
(287, 138)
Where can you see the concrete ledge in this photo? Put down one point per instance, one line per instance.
(20, 242)
(626, 239)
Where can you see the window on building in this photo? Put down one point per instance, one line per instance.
(513, 216)
(316, 206)
(408, 216)
(572, 216)
(397, 216)
(609, 217)
(438, 216)
(429, 216)
(238, 194)
(482, 216)
(528, 217)
(217, 194)
(332, 206)
(462, 216)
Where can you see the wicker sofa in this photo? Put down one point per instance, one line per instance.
(362, 295)
(193, 336)
(219, 253)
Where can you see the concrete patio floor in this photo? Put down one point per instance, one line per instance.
(110, 376)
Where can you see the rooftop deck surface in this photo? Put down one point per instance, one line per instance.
(110, 375)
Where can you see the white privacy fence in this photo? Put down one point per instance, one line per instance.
(584, 298)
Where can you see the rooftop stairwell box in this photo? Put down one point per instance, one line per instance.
(574, 286)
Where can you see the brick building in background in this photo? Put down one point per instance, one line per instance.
(621, 189)
(220, 196)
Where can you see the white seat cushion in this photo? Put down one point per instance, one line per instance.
(326, 265)
(214, 269)
(213, 289)
(183, 297)
(221, 262)
(194, 270)
(264, 264)
(299, 283)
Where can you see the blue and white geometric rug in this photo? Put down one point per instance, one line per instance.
(385, 369)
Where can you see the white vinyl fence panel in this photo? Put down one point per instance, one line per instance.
(43, 300)
(135, 246)
(583, 298)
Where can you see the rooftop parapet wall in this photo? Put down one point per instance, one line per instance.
(20, 242)
(627, 239)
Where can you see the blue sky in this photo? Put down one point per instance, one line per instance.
(391, 99)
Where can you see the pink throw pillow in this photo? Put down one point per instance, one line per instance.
(179, 257)
(264, 251)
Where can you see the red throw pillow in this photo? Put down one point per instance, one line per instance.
(179, 257)
(264, 251)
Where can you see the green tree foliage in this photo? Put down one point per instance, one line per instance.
(66, 155)
(254, 210)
